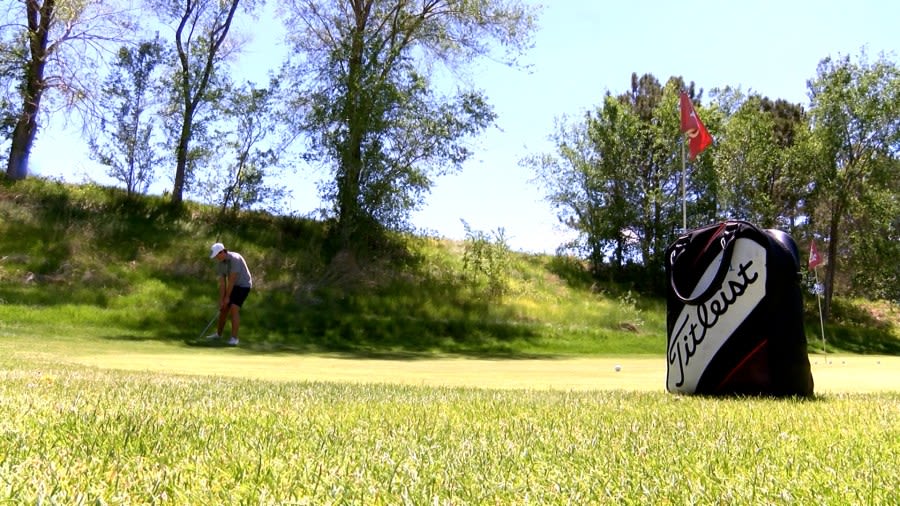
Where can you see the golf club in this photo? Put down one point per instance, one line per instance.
(208, 325)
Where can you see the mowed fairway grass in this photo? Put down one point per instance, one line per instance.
(832, 373)
(91, 421)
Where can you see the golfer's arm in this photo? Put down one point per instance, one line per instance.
(232, 277)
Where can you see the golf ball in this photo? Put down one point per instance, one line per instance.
(618, 368)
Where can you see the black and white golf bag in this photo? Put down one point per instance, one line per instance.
(735, 313)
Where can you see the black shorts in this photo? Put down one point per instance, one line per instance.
(239, 295)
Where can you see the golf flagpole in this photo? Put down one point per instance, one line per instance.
(699, 139)
(683, 187)
(821, 320)
(815, 260)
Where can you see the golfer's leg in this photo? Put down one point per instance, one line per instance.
(235, 320)
(223, 316)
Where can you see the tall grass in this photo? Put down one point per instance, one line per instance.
(139, 268)
(73, 435)
(87, 255)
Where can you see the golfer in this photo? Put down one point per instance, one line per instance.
(234, 286)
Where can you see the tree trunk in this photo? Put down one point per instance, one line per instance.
(831, 266)
(39, 19)
(349, 180)
(348, 191)
(181, 152)
(217, 34)
(22, 140)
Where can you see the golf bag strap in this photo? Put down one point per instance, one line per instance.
(725, 236)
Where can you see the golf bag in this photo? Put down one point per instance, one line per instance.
(734, 313)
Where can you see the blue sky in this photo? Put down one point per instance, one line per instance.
(583, 49)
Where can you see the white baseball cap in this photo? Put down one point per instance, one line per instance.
(216, 249)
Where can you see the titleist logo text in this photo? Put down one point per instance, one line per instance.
(694, 327)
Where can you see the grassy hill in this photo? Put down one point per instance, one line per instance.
(85, 259)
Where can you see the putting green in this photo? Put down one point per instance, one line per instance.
(832, 374)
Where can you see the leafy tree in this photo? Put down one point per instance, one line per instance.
(588, 185)
(252, 112)
(757, 178)
(57, 48)
(128, 95)
(657, 169)
(873, 235)
(362, 72)
(853, 114)
(10, 65)
(793, 179)
(487, 263)
(201, 45)
(615, 178)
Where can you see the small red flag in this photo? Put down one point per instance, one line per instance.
(815, 259)
(693, 127)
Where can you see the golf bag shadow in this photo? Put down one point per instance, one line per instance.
(734, 313)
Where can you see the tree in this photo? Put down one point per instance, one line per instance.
(252, 112)
(486, 263)
(40, 22)
(792, 180)
(854, 114)
(616, 178)
(589, 185)
(657, 171)
(62, 42)
(758, 179)
(10, 65)
(873, 239)
(362, 71)
(201, 44)
(128, 95)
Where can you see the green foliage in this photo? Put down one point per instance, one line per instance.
(11, 58)
(758, 175)
(628, 301)
(858, 326)
(362, 82)
(125, 145)
(486, 261)
(201, 30)
(245, 158)
(92, 261)
(83, 435)
(590, 193)
(830, 173)
(615, 180)
(853, 113)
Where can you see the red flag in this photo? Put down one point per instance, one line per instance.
(693, 127)
(815, 259)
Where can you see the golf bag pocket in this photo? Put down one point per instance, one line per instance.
(734, 313)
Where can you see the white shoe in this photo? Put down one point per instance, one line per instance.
(214, 336)
(233, 341)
